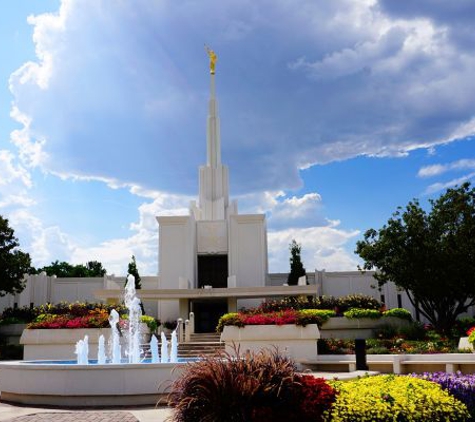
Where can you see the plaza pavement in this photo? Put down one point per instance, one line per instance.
(10, 413)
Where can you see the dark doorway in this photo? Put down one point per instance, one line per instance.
(207, 314)
(213, 270)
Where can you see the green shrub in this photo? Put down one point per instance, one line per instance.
(386, 331)
(398, 313)
(358, 301)
(263, 386)
(341, 304)
(314, 316)
(330, 346)
(354, 313)
(387, 398)
(231, 318)
(21, 315)
(151, 322)
(413, 331)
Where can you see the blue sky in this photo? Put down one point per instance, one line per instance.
(333, 114)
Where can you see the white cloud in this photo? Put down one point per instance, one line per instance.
(322, 248)
(120, 93)
(440, 186)
(15, 182)
(438, 169)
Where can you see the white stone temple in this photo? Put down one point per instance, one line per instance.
(214, 246)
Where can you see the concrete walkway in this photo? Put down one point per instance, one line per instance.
(11, 413)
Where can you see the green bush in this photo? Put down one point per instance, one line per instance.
(151, 322)
(354, 313)
(231, 318)
(398, 313)
(340, 304)
(314, 316)
(413, 331)
(21, 315)
(386, 331)
(358, 301)
(392, 398)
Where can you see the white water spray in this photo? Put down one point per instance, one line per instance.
(174, 348)
(132, 303)
(154, 349)
(164, 357)
(101, 352)
(82, 351)
(115, 336)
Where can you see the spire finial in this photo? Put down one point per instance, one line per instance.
(213, 58)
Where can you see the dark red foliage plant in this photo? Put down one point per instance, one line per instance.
(262, 386)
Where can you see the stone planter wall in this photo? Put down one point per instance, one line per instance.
(341, 327)
(296, 342)
(46, 344)
(11, 333)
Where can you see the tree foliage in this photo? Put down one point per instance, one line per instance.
(429, 255)
(297, 269)
(14, 263)
(64, 269)
(132, 270)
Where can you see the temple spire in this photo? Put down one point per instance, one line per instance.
(213, 202)
(213, 132)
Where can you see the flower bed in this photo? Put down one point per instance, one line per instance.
(462, 387)
(394, 398)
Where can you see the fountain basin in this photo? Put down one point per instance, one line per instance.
(65, 384)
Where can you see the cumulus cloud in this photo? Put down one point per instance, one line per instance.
(113, 88)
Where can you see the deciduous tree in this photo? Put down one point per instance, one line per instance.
(430, 255)
(14, 263)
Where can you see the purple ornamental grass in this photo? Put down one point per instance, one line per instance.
(461, 386)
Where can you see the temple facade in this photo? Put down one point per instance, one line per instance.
(214, 246)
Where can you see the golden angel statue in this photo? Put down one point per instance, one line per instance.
(213, 58)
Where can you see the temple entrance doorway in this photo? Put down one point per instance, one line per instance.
(207, 314)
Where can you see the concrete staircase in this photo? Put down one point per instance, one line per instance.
(201, 344)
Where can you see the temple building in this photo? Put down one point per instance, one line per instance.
(214, 246)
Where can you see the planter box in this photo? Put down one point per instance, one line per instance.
(341, 327)
(296, 342)
(61, 343)
(46, 344)
(11, 333)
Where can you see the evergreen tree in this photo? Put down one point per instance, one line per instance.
(14, 264)
(135, 272)
(297, 269)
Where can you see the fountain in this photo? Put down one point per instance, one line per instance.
(101, 353)
(107, 381)
(82, 351)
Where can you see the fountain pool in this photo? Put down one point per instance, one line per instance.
(66, 383)
(113, 381)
